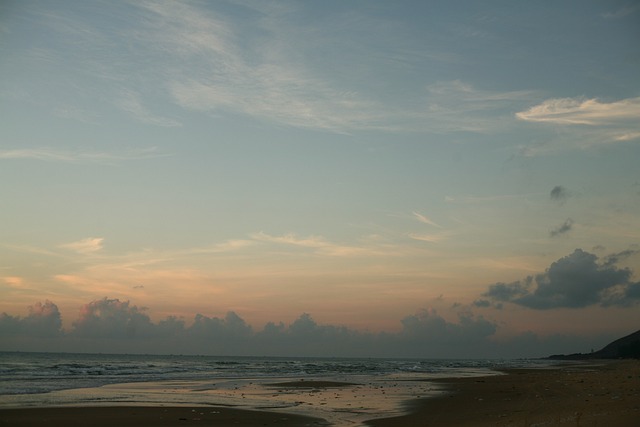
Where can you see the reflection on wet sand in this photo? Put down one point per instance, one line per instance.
(340, 401)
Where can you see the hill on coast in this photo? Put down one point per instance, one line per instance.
(627, 347)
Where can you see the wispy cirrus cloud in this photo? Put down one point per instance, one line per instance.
(571, 111)
(458, 106)
(423, 219)
(428, 237)
(318, 244)
(260, 74)
(79, 156)
(593, 121)
(130, 102)
(468, 199)
(228, 73)
(85, 246)
(431, 238)
(202, 57)
(14, 281)
(321, 246)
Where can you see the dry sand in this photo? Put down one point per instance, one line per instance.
(606, 394)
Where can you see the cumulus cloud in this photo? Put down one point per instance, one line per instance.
(576, 280)
(482, 303)
(111, 325)
(112, 318)
(305, 336)
(43, 320)
(509, 291)
(231, 326)
(427, 325)
(119, 326)
(619, 256)
(563, 228)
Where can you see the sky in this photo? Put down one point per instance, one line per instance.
(407, 178)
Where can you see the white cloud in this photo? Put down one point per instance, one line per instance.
(291, 239)
(185, 28)
(586, 122)
(627, 136)
(37, 153)
(229, 72)
(431, 238)
(233, 245)
(201, 58)
(570, 111)
(291, 100)
(71, 156)
(216, 69)
(320, 245)
(423, 219)
(458, 106)
(85, 246)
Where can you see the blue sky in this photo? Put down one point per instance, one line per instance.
(358, 161)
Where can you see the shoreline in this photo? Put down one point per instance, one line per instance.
(594, 393)
(583, 393)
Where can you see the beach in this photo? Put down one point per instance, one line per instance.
(575, 394)
(134, 416)
(605, 393)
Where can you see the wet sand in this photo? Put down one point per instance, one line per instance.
(602, 394)
(311, 384)
(132, 416)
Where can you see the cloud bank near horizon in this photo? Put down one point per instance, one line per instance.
(114, 326)
(578, 280)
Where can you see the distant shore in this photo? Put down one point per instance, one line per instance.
(581, 394)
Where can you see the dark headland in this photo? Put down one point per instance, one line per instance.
(627, 347)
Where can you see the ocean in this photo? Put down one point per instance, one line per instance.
(380, 387)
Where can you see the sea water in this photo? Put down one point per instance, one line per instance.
(379, 387)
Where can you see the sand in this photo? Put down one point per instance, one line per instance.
(311, 384)
(593, 394)
(606, 394)
(132, 416)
